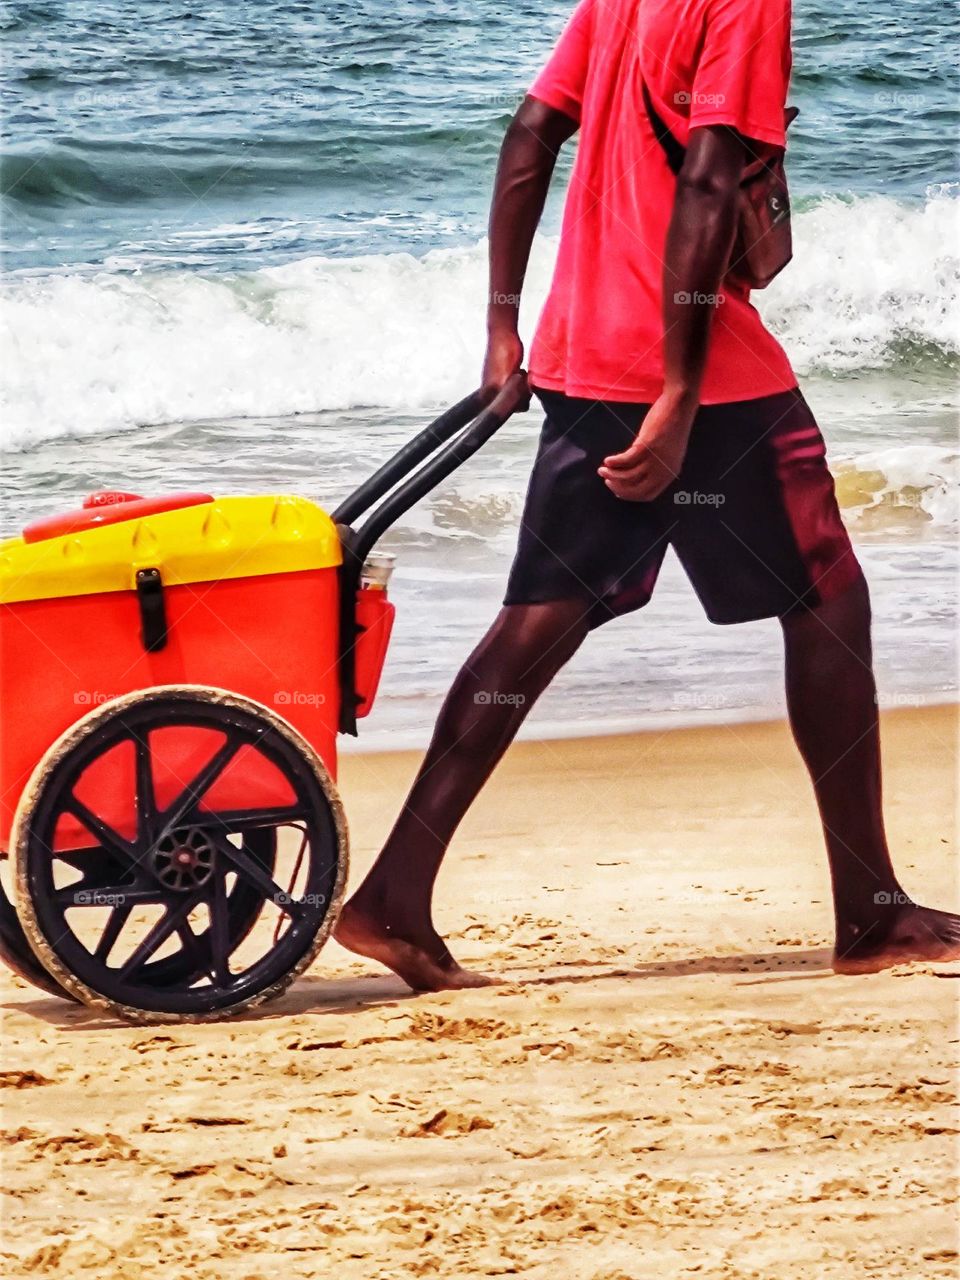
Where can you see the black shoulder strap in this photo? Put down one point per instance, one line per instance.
(672, 149)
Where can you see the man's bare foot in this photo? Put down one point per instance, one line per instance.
(914, 934)
(424, 963)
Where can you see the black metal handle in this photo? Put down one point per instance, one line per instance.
(405, 459)
(443, 464)
(357, 544)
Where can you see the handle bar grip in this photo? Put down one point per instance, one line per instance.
(514, 392)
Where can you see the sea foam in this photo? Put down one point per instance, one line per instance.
(874, 285)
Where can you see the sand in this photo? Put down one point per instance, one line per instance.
(671, 1082)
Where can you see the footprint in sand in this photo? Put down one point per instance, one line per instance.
(22, 1080)
(448, 1124)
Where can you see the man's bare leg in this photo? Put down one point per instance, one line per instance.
(389, 918)
(831, 697)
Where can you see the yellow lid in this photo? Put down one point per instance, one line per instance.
(225, 538)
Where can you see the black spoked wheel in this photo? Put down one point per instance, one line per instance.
(243, 902)
(205, 907)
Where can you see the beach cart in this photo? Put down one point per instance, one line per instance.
(174, 672)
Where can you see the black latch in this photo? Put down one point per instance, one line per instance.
(153, 610)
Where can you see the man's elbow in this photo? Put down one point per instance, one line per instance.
(707, 187)
(713, 166)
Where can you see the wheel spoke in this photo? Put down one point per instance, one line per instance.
(108, 838)
(188, 797)
(250, 869)
(146, 798)
(199, 960)
(220, 931)
(86, 894)
(298, 862)
(118, 918)
(100, 872)
(234, 822)
(160, 932)
(80, 859)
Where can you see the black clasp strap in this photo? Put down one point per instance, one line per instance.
(676, 153)
(153, 610)
(672, 149)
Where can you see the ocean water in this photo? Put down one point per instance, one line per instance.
(243, 250)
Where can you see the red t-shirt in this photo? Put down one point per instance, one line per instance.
(705, 62)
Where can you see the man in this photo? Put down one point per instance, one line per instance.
(673, 418)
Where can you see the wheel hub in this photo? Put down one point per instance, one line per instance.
(184, 859)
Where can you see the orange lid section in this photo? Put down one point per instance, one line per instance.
(109, 507)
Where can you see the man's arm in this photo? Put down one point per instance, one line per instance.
(699, 241)
(527, 160)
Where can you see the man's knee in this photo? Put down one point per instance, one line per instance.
(542, 636)
(848, 611)
(835, 633)
(514, 663)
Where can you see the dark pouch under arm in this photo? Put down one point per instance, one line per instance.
(764, 240)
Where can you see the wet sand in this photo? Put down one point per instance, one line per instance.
(669, 1083)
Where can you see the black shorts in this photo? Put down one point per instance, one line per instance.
(753, 516)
